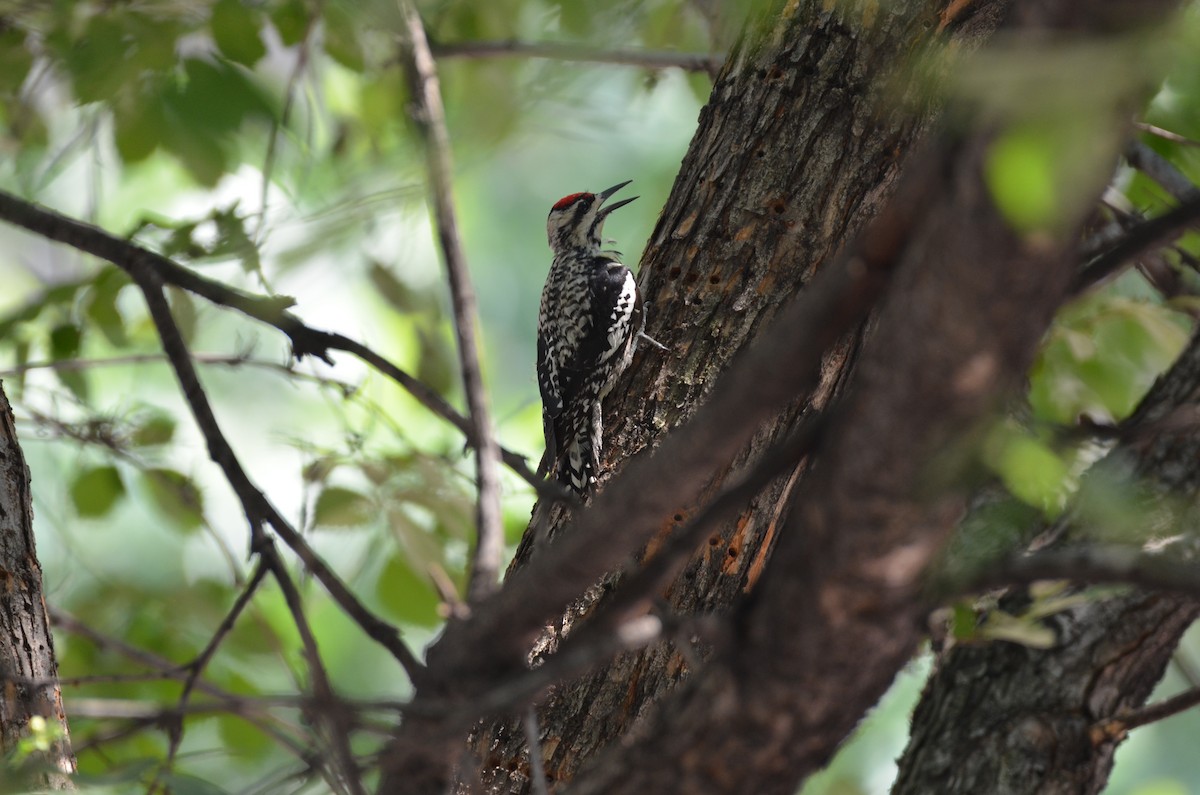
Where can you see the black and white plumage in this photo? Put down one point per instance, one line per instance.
(587, 328)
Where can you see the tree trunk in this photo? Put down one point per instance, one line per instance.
(798, 147)
(747, 226)
(27, 663)
(1006, 718)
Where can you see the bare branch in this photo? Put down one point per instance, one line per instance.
(273, 311)
(1087, 563)
(257, 507)
(537, 770)
(1116, 727)
(197, 666)
(1161, 170)
(431, 118)
(1137, 240)
(1166, 135)
(258, 511)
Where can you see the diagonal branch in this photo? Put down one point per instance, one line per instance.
(258, 512)
(257, 507)
(1144, 236)
(272, 311)
(492, 643)
(431, 118)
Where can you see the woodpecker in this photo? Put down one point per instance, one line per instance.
(590, 318)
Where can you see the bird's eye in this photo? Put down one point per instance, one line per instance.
(567, 201)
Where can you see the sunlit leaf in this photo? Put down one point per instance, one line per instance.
(176, 496)
(183, 309)
(319, 469)
(95, 491)
(157, 429)
(409, 597)
(100, 306)
(236, 31)
(1022, 176)
(342, 507)
(395, 291)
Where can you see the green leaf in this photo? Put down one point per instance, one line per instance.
(1022, 177)
(97, 60)
(406, 595)
(242, 739)
(203, 112)
(963, 622)
(341, 38)
(15, 60)
(236, 31)
(95, 491)
(342, 507)
(234, 241)
(138, 125)
(395, 291)
(183, 784)
(177, 496)
(290, 19)
(158, 429)
(100, 305)
(64, 341)
(183, 309)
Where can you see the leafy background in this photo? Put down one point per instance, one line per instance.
(266, 144)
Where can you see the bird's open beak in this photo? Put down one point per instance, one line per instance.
(604, 194)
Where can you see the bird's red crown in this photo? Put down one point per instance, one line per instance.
(567, 201)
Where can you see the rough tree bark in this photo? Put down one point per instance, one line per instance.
(1007, 718)
(798, 147)
(28, 667)
(837, 610)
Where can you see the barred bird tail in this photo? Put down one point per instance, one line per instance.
(576, 465)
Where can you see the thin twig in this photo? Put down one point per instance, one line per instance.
(430, 116)
(258, 511)
(1082, 563)
(257, 507)
(289, 95)
(649, 59)
(1120, 724)
(272, 311)
(1137, 240)
(224, 359)
(1166, 135)
(329, 707)
(197, 666)
(537, 770)
(166, 669)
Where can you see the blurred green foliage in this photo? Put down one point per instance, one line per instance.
(267, 144)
